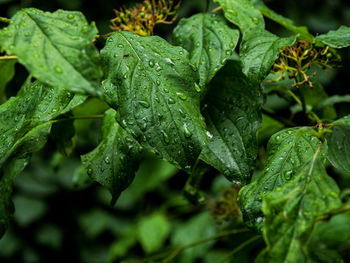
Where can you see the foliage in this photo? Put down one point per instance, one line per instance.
(229, 95)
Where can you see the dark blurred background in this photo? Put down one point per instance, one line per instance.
(62, 216)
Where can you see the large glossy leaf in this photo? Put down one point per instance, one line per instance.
(287, 150)
(290, 212)
(339, 38)
(243, 14)
(114, 162)
(7, 71)
(25, 123)
(56, 48)
(232, 113)
(209, 40)
(283, 21)
(153, 87)
(259, 50)
(339, 144)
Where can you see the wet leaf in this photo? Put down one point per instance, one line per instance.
(153, 87)
(56, 48)
(339, 38)
(233, 117)
(209, 40)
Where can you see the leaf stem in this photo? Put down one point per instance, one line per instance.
(8, 57)
(5, 20)
(237, 249)
(345, 208)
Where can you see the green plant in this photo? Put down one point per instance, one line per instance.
(196, 103)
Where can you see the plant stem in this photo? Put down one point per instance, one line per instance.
(178, 250)
(5, 20)
(8, 57)
(207, 6)
(237, 249)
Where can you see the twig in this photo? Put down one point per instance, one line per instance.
(5, 20)
(237, 249)
(8, 57)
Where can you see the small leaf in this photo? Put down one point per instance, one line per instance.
(290, 212)
(209, 40)
(114, 161)
(339, 144)
(259, 50)
(56, 48)
(153, 87)
(339, 38)
(232, 113)
(153, 231)
(287, 150)
(7, 71)
(243, 14)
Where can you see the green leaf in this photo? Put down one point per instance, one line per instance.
(153, 231)
(7, 71)
(339, 38)
(283, 21)
(232, 113)
(209, 40)
(287, 150)
(114, 161)
(153, 87)
(56, 48)
(25, 123)
(290, 212)
(259, 50)
(339, 144)
(243, 14)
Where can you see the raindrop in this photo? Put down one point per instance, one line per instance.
(166, 90)
(151, 63)
(255, 20)
(165, 137)
(171, 101)
(58, 69)
(183, 115)
(181, 95)
(70, 16)
(187, 132)
(144, 104)
(89, 171)
(288, 175)
(107, 161)
(197, 88)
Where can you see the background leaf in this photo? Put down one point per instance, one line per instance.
(7, 71)
(209, 40)
(56, 48)
(153, 88)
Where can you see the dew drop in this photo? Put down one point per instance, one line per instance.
(255, 20)
(187, 132)
(197, 88)
(70, 16)
(144, 104)
(171, 101)
(165, 137)
(166, 90)
(107, 160)
(181, 95)
(89, 171)
(151, 63)
(119, 45)
(183, 115)
(58, 69)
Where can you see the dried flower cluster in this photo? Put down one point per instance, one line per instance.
(297, 60)
(142, 18)
(226, 208)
